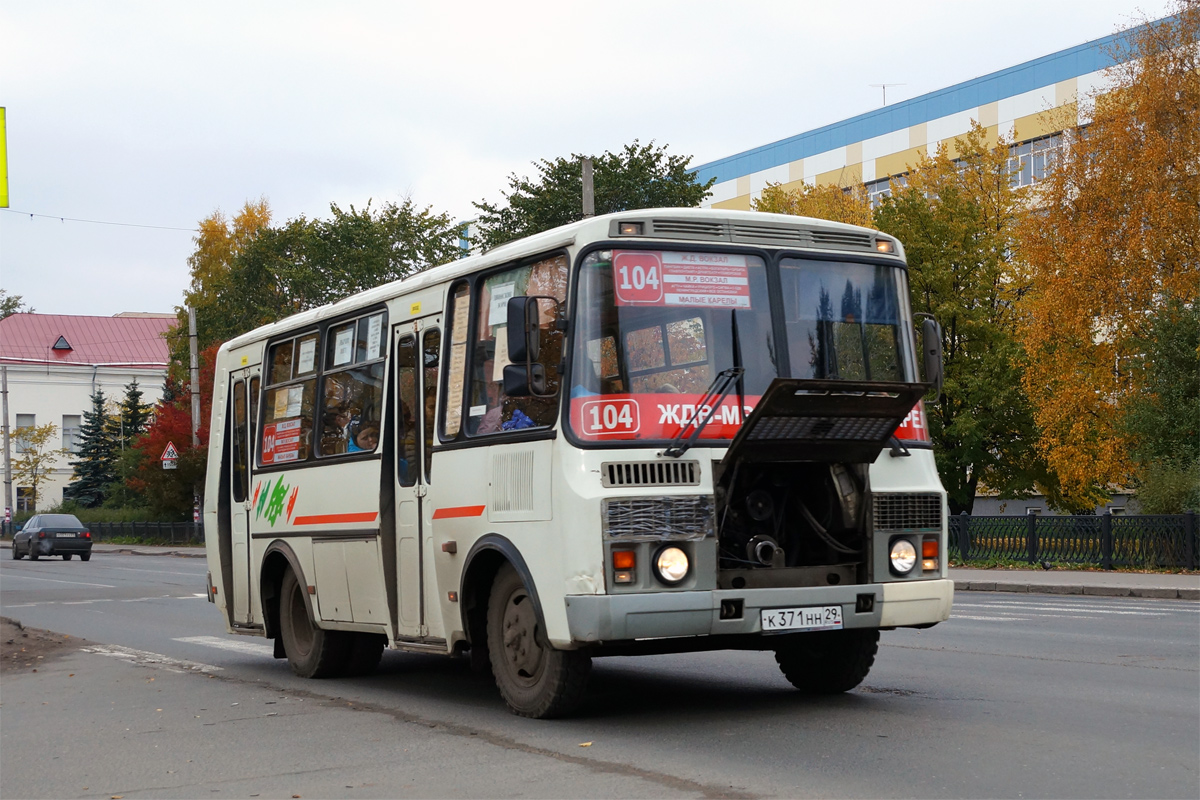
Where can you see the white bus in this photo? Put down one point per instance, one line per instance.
(650, 432)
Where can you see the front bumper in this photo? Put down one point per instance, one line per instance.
(613, 618)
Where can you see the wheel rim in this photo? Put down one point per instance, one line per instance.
(523, 655)
(302, 632)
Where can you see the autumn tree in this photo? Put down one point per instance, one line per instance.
(850, 205)
(638, 176)
(957, 217)
(1114, 243)
(169, 493)
(35, 459)
(219, 241)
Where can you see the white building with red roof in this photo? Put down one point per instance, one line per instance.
(55, 363)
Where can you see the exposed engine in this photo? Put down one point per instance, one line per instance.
(794, 515)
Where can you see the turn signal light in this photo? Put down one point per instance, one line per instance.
(884, 246)
(624, 559)
(929, 548)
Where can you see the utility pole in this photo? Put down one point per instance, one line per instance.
(589, 190)
(8, 498)
(195, 378)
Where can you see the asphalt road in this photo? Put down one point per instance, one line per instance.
(1015, 696)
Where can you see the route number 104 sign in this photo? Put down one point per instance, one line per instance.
(665, 278)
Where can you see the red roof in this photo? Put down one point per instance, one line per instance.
(113, 341)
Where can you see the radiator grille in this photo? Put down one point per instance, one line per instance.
(687, 517)
(906, 512)
(650, 473)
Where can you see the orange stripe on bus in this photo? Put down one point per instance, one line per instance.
(459, 511)
(326, 519)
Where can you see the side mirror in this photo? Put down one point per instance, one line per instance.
(524, 376)
(523, 340)
(931, 351)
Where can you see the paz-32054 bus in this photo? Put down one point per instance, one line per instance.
(649, 432)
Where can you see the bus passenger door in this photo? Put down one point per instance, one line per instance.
(417, 347)
(239, 489)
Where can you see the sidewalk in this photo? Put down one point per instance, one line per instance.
(1065, 581)
(1031, 581)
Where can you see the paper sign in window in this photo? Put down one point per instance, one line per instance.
(343, 346)
(374, 336)
(696, 280)
(308, 352)
(498, 310)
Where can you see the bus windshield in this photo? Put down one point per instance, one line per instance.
(655, 327)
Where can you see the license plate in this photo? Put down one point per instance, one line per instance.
(65, 535)
(812, 618)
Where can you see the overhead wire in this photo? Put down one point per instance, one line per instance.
(31, 215)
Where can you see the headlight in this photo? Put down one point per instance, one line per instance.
(671, 565)
(904, 556)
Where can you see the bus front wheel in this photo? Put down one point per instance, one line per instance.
(311, 651)
(535, 679)
(828, 662)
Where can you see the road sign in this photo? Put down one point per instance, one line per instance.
(170, 454)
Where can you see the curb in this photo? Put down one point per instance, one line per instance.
(1156, 592)
(127, 551)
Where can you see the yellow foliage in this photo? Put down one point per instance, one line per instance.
(820, 202)
(1115, 234)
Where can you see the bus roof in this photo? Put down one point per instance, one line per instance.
(596, 228)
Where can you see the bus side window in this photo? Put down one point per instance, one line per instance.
(490, 409)
(406, 421)
(456, 370)
(286, 435)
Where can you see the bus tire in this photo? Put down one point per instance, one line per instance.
(535, 679)
(311, 651)
(828, 662)
(366, 649)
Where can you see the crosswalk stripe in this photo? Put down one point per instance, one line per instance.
(234, 645)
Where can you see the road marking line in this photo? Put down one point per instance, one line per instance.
(9, 575)
(251, 648)
(147, 659)
(1073, 610)
(989, 619)
(159, 571)
(86, 602)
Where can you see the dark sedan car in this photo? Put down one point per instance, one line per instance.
(53, 535)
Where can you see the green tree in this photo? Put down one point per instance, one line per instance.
(956, 218)
(306, 263)
(639, 176)
(35, 459)
(126, 426)
(1162, 419)
(12, 304)
(94, 463)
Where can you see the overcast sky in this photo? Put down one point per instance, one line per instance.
(158, 113)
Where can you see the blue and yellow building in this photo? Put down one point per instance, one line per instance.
(874, 148)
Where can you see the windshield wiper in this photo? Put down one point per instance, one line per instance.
(719, 389)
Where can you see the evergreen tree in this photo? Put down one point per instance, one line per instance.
(131, 418)
(94, 466)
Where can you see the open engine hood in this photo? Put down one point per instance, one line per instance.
(823, 420)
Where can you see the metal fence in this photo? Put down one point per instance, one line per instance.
(152, 532)
(1136, 540)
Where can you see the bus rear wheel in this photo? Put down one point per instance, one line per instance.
(828, 662)
(311, 651)
(535, 679)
